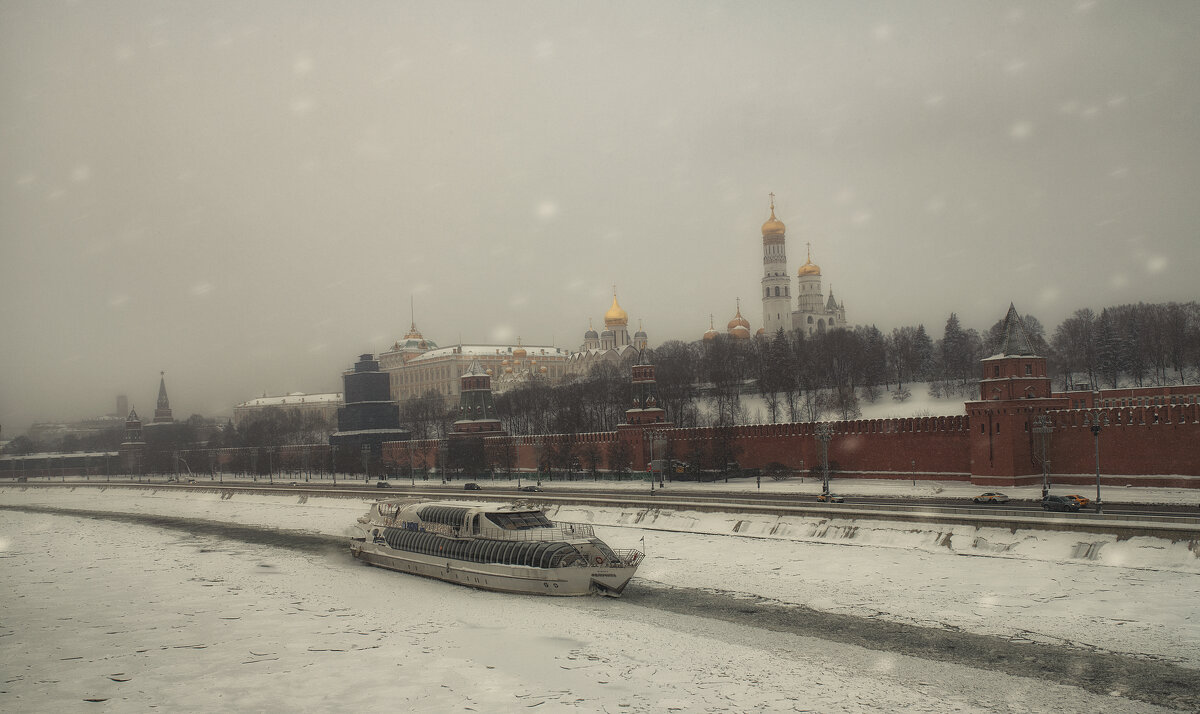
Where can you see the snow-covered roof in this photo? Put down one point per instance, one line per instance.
(57, 455)
(531, 351)
(294, 399)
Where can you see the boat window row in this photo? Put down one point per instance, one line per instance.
(520, 521)
(535, 554)
(446, 515)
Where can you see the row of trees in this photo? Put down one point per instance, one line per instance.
(1142, 344)
(829, 374)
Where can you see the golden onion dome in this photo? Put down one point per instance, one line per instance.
(519, 353)
(762, 332)
(542, 369)
(773, 226)
(809, 267)
(711, 333)
(615, 315)
(738, 320)
(740, 333)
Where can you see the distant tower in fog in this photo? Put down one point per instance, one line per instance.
(133, 447)
(162, 412)
(122, 405)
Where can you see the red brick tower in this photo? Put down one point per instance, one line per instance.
(1013, 389)
(645, 414)
(476, 410)
(133, 447)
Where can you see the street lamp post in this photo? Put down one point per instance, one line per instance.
(651, 434)
(1043, 426)
(1097, 420)
(824, 435)
(366, 461)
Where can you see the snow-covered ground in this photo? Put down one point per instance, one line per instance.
(919, 403)
(146, 617)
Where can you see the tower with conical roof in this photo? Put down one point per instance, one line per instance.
(777, 297)
(132, 451)
(1013, 391)
(645, 410)
(162, 412)
(476, 410)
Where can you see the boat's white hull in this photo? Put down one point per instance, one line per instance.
(563, 581)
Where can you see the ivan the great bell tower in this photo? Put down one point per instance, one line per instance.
(777, 297)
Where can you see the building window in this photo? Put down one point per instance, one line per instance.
(1028, 370)
(776, 291)
(997, 427)
(996, 371)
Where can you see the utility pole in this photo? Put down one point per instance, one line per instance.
(824, 435)
(1097, 420)
(1043, 426)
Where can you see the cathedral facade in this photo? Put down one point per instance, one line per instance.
(614, 345)
(811, 312)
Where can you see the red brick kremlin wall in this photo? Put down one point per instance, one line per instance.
(1145, 446)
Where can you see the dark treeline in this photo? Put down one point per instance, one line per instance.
(799, 378)
(830, 374)
(273, 427)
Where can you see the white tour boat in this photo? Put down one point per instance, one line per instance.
(513, 548)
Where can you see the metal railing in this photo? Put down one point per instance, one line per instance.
(556, 532)
(559, 531)
(629, 557)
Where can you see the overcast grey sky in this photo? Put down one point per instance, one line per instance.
(247, 194)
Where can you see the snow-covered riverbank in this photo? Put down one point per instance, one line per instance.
(305, 627)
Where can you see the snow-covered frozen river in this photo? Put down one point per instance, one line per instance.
(799, 615)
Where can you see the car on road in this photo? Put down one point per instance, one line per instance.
(383, 484)
(1059, 503)
(829, 498)
(471, 487)
(531, 489)
(991, 497)
(1081, 501)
